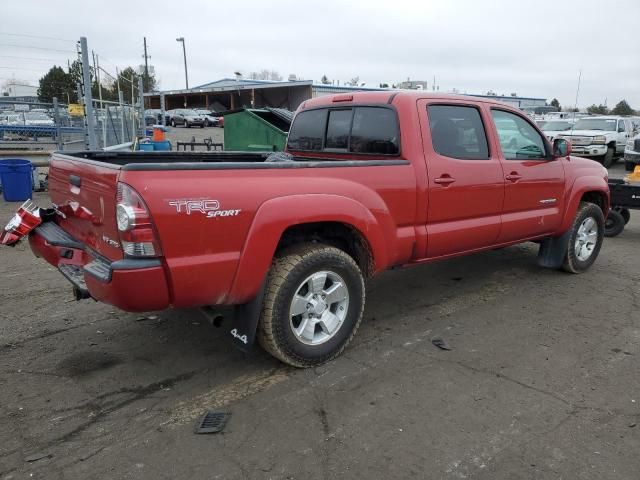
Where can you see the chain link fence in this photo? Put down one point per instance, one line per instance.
(41, 126)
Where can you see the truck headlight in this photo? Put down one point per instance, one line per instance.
(601, 140)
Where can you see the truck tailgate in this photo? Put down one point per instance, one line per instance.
(85, 192)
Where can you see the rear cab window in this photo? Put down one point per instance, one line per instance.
(457, 132)
(365, 130)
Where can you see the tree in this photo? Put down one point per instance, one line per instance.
(266, 74)
(622, 108)
(354, 81)
(324, 80)
(384, 85)
(57, 83)
(598, 109)
(555, 103)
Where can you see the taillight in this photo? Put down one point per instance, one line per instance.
(137, 234)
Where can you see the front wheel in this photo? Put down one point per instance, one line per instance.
(607, 160)
(313, 305)
(585, 240)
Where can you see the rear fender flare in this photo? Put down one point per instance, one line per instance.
(276, 215)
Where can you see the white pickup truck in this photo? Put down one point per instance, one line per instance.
(632, 153)
(602, 138)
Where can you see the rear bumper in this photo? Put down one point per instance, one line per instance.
(134, 285)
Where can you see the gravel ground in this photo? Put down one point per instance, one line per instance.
(541, 382)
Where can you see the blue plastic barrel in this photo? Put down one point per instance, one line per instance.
(163, 146)
(146, 147)
(17, 179)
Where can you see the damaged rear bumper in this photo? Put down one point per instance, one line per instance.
(133, 285)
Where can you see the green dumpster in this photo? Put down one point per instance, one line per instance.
(258, 130)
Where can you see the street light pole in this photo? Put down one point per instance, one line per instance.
(184, 52)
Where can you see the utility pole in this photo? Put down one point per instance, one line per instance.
(88, 99)
(146, 65)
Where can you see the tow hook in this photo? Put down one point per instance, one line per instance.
(80, 294)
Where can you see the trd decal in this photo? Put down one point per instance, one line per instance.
(210, 208)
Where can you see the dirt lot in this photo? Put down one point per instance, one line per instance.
(541, 382)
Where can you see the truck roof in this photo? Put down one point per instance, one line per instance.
(389, 96)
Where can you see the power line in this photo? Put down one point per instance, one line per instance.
(37, 36)
(19, 68)
(36, 48)
(30, 58)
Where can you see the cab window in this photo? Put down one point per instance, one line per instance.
(518, 139)
(457, 132)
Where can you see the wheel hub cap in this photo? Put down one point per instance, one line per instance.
(586, 239)
(319, 307)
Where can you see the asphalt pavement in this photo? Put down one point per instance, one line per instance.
(541, 381)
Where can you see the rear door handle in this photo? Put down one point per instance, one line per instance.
(513, 176)
(444, 180)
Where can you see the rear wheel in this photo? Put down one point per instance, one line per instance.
(585, 240)
(614, 225)
(313, 305)
(626, 214)
(173, 123)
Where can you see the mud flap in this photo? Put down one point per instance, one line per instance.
(553, 251)
(244, 325)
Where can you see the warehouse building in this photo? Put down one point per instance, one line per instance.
(231, 93)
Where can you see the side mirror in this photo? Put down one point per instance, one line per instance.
(561, 147)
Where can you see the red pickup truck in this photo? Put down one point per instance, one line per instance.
(370, 181)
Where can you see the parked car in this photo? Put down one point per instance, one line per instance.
(603, 138)
(152, 116)
(632, 153)
(369, 181)
(186, 117)
(210, 118)
(552, 128)
(37, 119)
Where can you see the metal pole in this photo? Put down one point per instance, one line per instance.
(56, 118)
(121, 100)
(163, 122)
(146, 64)
(184, 53)
(88, 99)
(143, 123)
(96, 67)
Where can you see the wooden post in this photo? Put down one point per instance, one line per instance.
(206, 101)
(253, 98)
(185, 101)
(233, 102)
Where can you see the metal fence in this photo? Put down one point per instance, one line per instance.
(33, 126)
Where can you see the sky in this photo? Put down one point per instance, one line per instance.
(535, 48)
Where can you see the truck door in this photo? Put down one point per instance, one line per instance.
(465, 180)
(534, 181)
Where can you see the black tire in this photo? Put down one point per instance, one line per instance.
(572, 263)
(173, 123)
(186, 124)
(206, 122)
(607, 160)
(626, 214)
(614, 225)
(288, 271)
(202, 125)
(629, 166)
